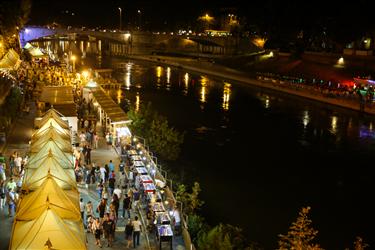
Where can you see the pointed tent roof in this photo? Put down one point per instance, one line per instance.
(51, 143)
(53, 113)
(65, 178)
(65, 205)
(50, 150)
(58, 125)
(48, 227)
(51, 131)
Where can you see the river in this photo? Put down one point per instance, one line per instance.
(261, 155)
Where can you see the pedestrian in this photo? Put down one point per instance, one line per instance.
(89, 209)
(82, 209)
(137, 225)
(108, 229)
(118, 192)
(129, 233)
(2, 195)
(96, 228)
(11, 200)
(96, 140)
(100, 209)
(99, 189)
(111, 166)
(126, 206)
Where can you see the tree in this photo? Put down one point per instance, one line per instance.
(163, 139)
(223, 237)
(300, 235)
(13, 16)
(191, 200)
(359, 244)
(196, 227)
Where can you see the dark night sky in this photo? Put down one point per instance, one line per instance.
(281, 16)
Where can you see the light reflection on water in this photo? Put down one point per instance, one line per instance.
(333, 140)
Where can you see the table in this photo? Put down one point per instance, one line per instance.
(162, 218)
(158, 207)
(164, 233)
(146, 178)
(136, 158)
(149, 187)
(139, 164)
(132, 152)
(141, 170)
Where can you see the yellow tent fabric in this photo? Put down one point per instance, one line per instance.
(58, 125)
(50, 150)
(11, 60)
(52, 113)
(33, 204)
(65, 178)
(50, 131)
(51, 143)
(34, 234)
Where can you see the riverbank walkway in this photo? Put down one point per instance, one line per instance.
(230, 74)
(18, 140)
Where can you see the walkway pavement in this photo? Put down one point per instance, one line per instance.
(18, 140)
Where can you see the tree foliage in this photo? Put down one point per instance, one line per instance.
(359, 244)
(196, 226)
(223, 237)
(160, 136)
(191, 202)
(13, 16)
(300, 235)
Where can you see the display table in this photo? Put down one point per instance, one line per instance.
(136, 158)
(146, 178)
(138, 164)
(132, 152)
(149, 187)
(141, 170)
(158, 207)
(162, 218)
(164, 234)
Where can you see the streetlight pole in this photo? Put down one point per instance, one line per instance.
(139, 19)
(120, 17)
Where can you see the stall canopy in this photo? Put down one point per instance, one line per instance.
(66, 206)
(11, 60)
(63, 158)
(34, 51)
(65, 178)
(51, 132)
(48, 229)
(51, 143)
(113, 110)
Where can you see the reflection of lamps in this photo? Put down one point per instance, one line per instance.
(73, 58)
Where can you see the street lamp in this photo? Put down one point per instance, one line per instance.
(73, 58)
(120, 17)
(139, 19)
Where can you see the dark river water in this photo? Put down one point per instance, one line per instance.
(260, 155)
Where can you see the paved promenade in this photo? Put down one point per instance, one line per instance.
(229, 74)
(18, 140)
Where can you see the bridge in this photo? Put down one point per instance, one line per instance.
(149, 42)
(30, 33)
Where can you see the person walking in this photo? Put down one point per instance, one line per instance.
(126, 206)
(11, 200)
(2, 195)
(129, 233)
(101, 209)
(137, 225)
(109, 229)
(96, 228)
(89, 209)
(82, 209)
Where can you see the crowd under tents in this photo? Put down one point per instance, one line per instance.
(48, 214)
